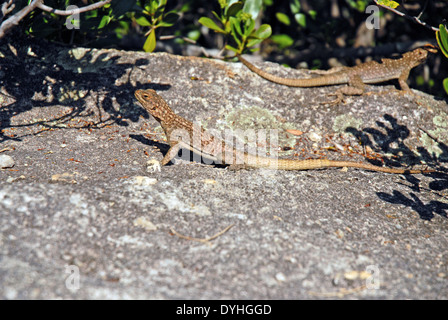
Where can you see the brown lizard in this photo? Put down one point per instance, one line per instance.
(356, 77)
(183, 134)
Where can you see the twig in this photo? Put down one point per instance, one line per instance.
(429, 135)
(423, 10)
(15, 19)
(169, 37)
(339, 294)
(404, 15)
(203, 240)
(6, 149)
(91, 7)
(148, 132)
(7, 7)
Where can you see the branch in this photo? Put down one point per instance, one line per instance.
(404, 15)
(7, 7)
(204, 240)
(14, 20)
(75, 11)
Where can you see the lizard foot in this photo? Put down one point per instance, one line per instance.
(153, 165)
(237, 167)
(407, 92)
(339, 99)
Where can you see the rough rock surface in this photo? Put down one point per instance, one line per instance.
(80, 200)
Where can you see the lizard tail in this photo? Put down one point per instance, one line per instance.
(312, 82)
(284, 164)
(372, 167)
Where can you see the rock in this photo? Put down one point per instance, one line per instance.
(6, 161)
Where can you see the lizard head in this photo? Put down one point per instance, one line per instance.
(154, 104)
(419, 55)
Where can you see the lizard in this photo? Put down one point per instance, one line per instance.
(183, 134)
(356, 77)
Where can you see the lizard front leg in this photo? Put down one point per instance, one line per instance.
(171, 154)
(402, 80)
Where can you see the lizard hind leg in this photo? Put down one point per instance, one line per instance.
(232, 161)
(339, 98)
(355, 87)
(237, 167)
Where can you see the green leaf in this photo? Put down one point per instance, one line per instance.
(150, 43)
(233, 9)
(217, 16)
(263, 32)
(442, 39)
(235, 26)
(282, 40)
(91, 14)
(155, 6)
(237, 40)
(253, 42)
(301, 19)
(283, 18)
(249, 27)
(227, 27)
(229, 47)
(253, 7)
(169, 19)
(185, 7)
(361, 5)
(194, 35)
(161, 9)
(388, 3)
(442, 49)
(295, 6)
(209, 23)
(420, 80)
(142, 21)
(445, 85)
(222, 3)
(230, 2)
(151, 7)
(104, 21)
